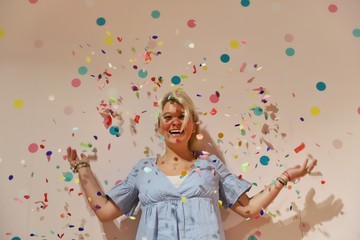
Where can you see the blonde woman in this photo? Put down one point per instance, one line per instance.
(179, 192)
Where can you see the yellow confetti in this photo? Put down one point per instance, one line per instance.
(315, 111)
(132, 217)
(234, 44)
(18, 103)
(183, 173)
(183, 199)
(109, 40)
(2, 33)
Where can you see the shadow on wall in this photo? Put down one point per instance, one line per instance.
(294, 228)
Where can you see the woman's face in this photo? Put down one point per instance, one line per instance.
(171, 121)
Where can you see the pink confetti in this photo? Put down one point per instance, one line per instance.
(33, 147)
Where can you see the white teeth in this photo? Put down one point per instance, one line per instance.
(175, 132)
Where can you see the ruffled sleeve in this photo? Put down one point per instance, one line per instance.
(231, 187)
(126, 193)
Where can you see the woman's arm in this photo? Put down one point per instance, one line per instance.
(251, 207)
(105, 209)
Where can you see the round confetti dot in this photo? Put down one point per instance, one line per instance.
(251, 238)
(155, 14)
(100, 21)
(315, 111)
(18, 103)
(220, 135)
(358, 110)
(224, 58)
(76, 82)
(183, 173)
(33, 1)
(33, 147)
(2, 33)
(258, 111)
(234, 44)
(51, 97)
(68, 110)
(214, 98)
(302, 119)
(245, 3)
(114, 130)
(147, 169)
(321, 86)
(175, 80)
(68, 176)
(11, 177)
(191, 23)
(290, 52)
(199, 136)
(191, 45)
(38, 44)
(142, 73)
(48, 153)
(264, 160)
(337, 143)
(109, 40)
(82, 70)
(16, 238)
(289, 37)
(356, 32)
(332, 8)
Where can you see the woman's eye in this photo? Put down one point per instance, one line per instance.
(182, 117)
(167, 118)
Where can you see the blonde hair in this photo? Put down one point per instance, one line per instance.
(181, 97)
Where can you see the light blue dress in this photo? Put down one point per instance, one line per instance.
(188, 212)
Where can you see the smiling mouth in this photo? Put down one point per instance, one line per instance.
(176, 132)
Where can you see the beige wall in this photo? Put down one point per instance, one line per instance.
(43, 44)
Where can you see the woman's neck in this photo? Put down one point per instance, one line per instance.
(185, 154)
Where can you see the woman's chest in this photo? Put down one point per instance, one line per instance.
(155, 186)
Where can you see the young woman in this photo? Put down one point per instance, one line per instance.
(179, 192)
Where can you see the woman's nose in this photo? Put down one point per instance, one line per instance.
(176, 121)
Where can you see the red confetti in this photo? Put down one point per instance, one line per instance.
(194, 67)
(213, 111)
(299, 148)
(137, 118)
(60, 236)
(322, 181)
(45, 197)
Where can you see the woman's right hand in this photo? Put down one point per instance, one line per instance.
(72, 156)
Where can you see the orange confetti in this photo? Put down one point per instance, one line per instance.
(299, 148)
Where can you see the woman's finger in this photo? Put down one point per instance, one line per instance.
(304, 166)
(312, 165)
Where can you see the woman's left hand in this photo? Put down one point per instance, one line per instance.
(300, 171)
